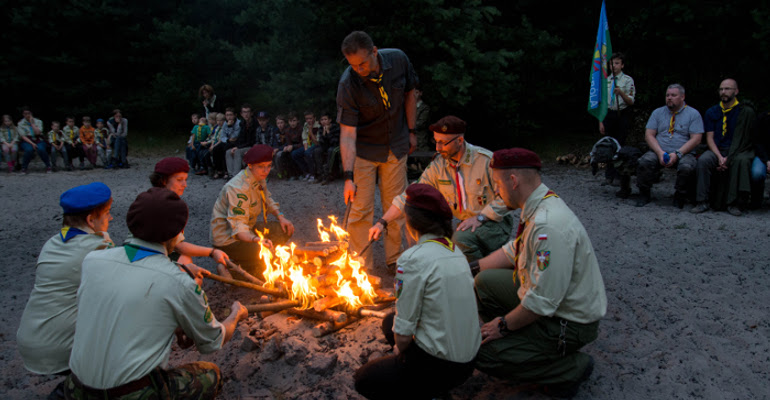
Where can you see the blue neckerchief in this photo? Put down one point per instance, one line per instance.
(136, 253)
(69, 232)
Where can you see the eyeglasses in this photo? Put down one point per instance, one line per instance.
(444, 144)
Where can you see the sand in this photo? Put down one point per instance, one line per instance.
(687, 294)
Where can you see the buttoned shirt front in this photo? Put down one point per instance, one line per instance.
(624, 83)
(436, 302)
(131, 300)
(557, 268)
(479, 192)
(241, 201)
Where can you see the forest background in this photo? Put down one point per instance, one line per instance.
(517, 71)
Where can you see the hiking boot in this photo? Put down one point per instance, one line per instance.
(569, 390)
(734, 211)
(700, 207)
(644, 197)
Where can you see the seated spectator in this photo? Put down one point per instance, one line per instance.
(672, 133)
(88, 143)
(304, 158)
(190, 149)
(326, 155)
(32, 140)
(292, 143)
(728, 128)
(47, 326)
(266, 132)
(72, 141)
(281, 124)
(102, 143)
(200, 134)
(214, 142)
(56, 139)
(761, 165)
(119, 131)
(435, 329)
(231, 130)
(246, 139)
(9, 137)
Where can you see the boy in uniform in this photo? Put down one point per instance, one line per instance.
(56, 139)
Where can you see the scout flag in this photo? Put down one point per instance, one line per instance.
(598, 98)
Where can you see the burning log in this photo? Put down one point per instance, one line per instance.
(311, 252)
(364, 312)
(277, 306)
(325, 315)
(272, 292)
(249, 277)
(327, 302)
(328, 327)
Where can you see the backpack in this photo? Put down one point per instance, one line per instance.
(604, 151)
(627, 160)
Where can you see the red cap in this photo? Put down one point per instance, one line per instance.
(171, 165)
(426, 197)
(157, 215)
(449, 125)
(259, 153)
(515, 158)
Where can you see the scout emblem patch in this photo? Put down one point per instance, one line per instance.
(543, 258)
(238, 210)
(198, 289)
(444, 182)
(208, 316)
(542, 237)
(398, 284)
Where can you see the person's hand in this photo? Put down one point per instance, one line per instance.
(412, 142)
(601, 128)
(197, 272)
(220, 256)
(182, 340)
(205, 102)
(286, 225)
(350, 191)
(239, 310)
(618, 91)
(490, 331)
(375, 231)
(660, 159)
(232, 151)
(471, 223)
(672, 159)
(722, 163)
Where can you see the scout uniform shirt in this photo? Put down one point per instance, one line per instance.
(71, 135)
(556, 266)
(624, 83)
(8, 134)
(56, 137)
(47, 325)
(478, 193)
(130, 301)
(436, 303)
(24, 128)
(242, 200)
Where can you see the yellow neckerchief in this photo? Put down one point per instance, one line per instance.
(448, 245)
(673, 118)
(724, 115)
(261, 190)
(378, 81)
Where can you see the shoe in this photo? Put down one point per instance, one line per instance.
(24, 171)
(293, 178)
(216, 175)
(623, 193)
(108, 166)
(58, 392)
(569, 390)
(644, 198)
(312, 179)
(700, 207)
(48, 170)
(679, 202)
(734, 211)
(226, 177)
(202, 172)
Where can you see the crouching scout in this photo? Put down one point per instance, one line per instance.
(47, 325)
(242, 200)
(131, 301)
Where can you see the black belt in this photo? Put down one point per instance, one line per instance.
(117, 391)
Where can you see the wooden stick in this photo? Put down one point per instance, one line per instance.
(371, 313)
(249, 277)
(327, 302)
(328, 327)
(277, 306)
(272, 292)
(325, 315)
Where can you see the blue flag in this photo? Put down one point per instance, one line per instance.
(598, 97)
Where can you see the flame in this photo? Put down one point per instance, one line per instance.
(285, 269)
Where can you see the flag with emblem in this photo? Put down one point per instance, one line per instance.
(598, 96)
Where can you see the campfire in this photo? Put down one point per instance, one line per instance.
(320, 280)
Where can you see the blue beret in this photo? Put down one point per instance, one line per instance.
(84, 198)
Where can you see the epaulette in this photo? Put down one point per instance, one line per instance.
(484, 152)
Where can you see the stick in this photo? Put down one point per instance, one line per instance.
(249, 277)
(277, 306)
(367, 246)
(363, 312)
(347, 216)
(327, 302)
(272, 292)
(328, 327)
(325, 315)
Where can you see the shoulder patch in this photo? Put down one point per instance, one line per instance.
(208, 316)
(238, 211)
(242, 196)
(543, 259)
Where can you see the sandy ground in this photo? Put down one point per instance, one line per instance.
(688, 294)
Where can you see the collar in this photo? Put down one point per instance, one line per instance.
(533, 201)
(427, 236)
(684, 105)
(137, 249)
(619, 76)
(69, 232)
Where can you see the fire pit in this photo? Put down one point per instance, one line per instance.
(320, 280)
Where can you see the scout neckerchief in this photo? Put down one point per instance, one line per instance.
(378, 81)
(444, 241)
(9, 132)
(461, 204)
(614, 99)
(264, 206)
(522, 225)
(136, 252)
(673, 118)
(724, 115)
(68, 232)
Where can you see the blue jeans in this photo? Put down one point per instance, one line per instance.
(758, 176)
(29, 152)
(120, 149)
(298, 155)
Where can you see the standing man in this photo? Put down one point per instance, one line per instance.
(728, 128)
(541, 295)
(672, 132)
(463, 177)
(376, 110)
(622, 94)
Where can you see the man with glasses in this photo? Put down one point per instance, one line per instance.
(463, 177)
(376, 110)
(728, 128)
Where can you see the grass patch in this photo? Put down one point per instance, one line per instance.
(147, 143)
(680, 226)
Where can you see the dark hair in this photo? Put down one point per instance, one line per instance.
(247, 105)
(293, 115)
(79, 219)
(194, 115)
(355, 41)
(55, 122)
(308, 112)
(325, 113)
(158, 180)
(25, 108)
(116, 111)
(424, 221)
(207, 88)
(67, 118)
(230, 109)
(619, 56)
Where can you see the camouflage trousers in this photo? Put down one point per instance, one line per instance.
(195, 381)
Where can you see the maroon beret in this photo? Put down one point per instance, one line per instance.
(171, 165)
(426, 197)
(157, 215)
(258, 153)
(515, 158)
(449, 125)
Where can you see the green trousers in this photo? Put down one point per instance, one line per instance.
(530, 354)
(487, 238)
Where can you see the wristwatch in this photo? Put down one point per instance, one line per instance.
(502, 326)
(481, 218)
(678, 155)
(347, 175)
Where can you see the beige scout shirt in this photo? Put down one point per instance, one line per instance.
(436, 303)
(626, 84)
(25, 128)
(128, 311)
(557, 268)
(242, 200)
(9, 134)
(71, 135)
(47, 325)
(479, 191)
(56, 136)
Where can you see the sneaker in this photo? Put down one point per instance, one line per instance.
(679, 202)
(48, 170)
(202, 172)
(311, 179)
(108, 166)
(293, 178)
(623, 193)
(700, 207)
(643, 199)
(734, 211)
(24, 171)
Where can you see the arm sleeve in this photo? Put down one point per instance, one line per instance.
(196, 319)
(409, 75)
(696, 126)
(409, 302)
(347, 110)
(548, 269)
